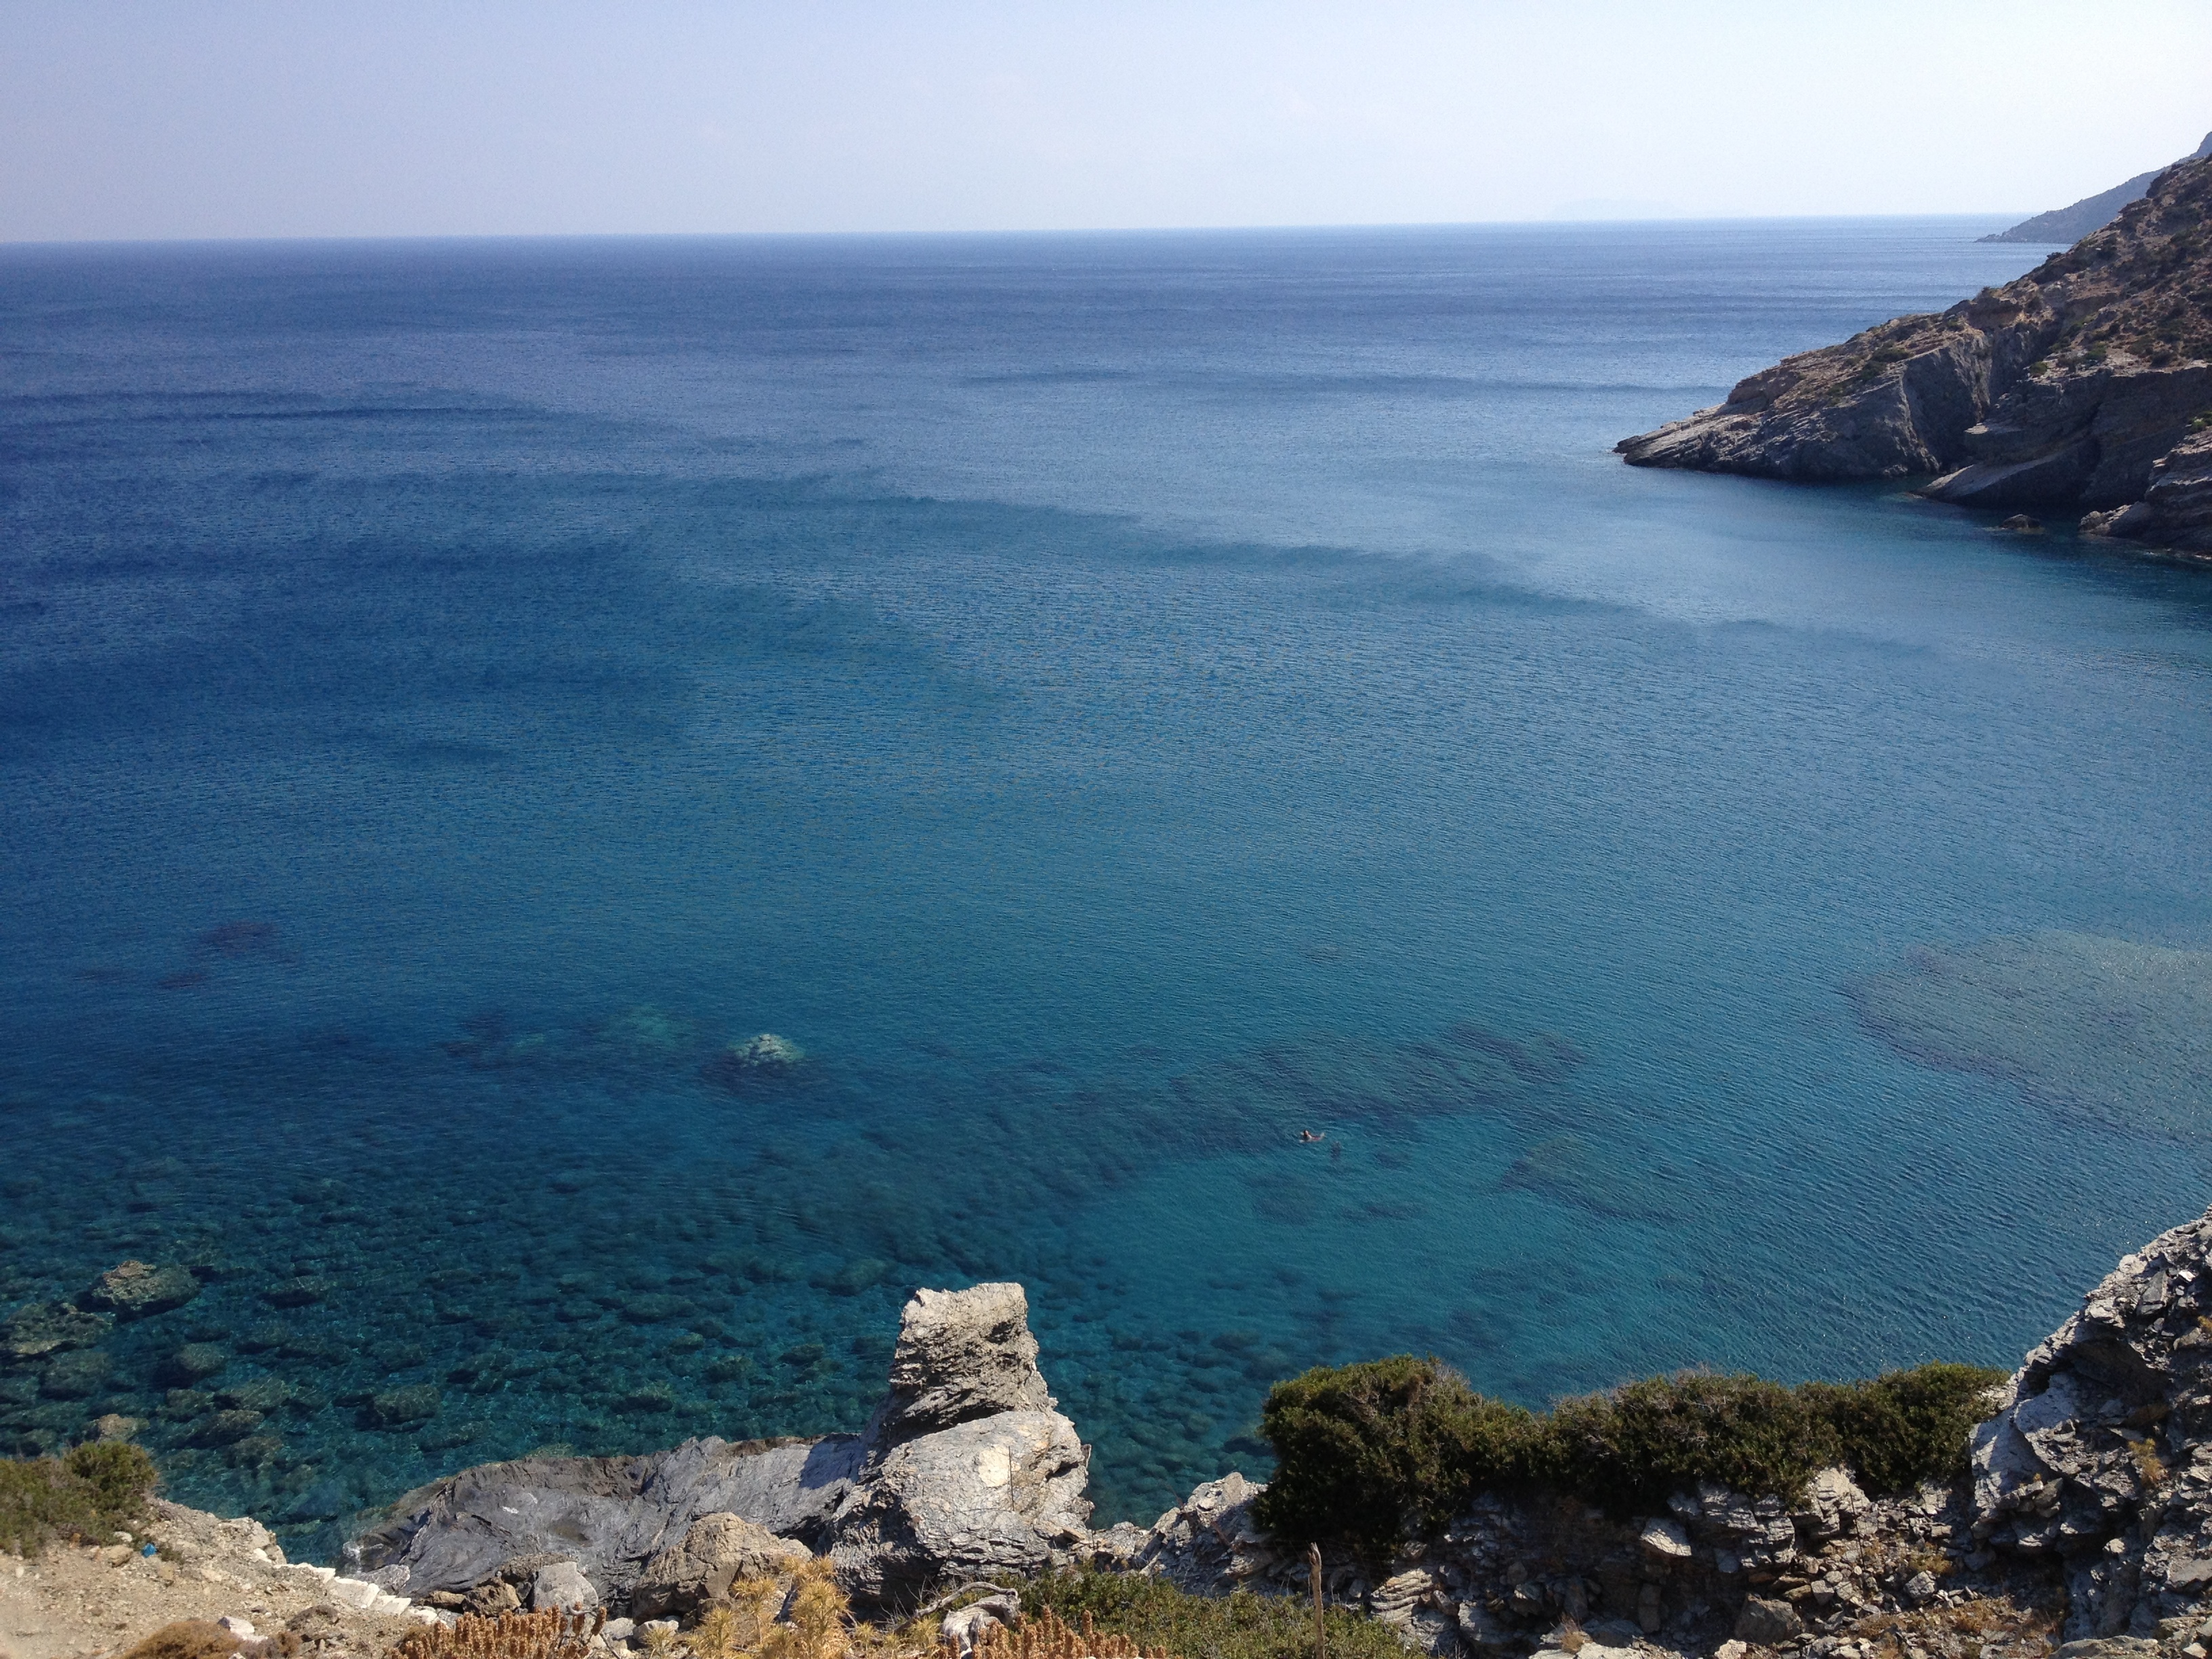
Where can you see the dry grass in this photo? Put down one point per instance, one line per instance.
(1045, 1635)
(506, 1636)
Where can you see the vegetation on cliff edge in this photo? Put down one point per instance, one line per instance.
(91, 1492)
(1156, 1615)
(1373, 1452)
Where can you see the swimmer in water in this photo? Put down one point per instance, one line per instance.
(1307, 1137)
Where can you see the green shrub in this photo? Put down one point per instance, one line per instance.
(1156, 1615)
(1630, 1448)
(1378, 1449)
(89, 1492)
(1377, 1452)
(1899, 1429)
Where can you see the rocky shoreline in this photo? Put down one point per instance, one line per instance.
(2083, 388)
(2084, 1521)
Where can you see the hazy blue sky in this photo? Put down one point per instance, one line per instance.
(254, 117)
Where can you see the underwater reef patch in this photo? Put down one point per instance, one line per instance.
(2115, 1030)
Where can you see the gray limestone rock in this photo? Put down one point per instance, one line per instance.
(1209, 1543)
(2100, 1452)
(715, 1551)
(962, 1355)
(966, 1625)
(1833, 1506)
(611, 1514)
(995, 1495)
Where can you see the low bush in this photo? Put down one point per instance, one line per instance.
(88, 1492)
(1375, 1453)
(1156, 1616)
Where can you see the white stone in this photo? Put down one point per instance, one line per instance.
(242, 1628)
(1665, 1540)
(353, 1593)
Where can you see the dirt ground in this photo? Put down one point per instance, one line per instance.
(75, 1601)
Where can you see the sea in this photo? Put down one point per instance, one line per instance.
(581, 817)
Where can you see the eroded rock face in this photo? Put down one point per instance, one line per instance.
(2176, 510)
(2101, 1454)
(994, 1496)
(962, 1355)
(2063, 390)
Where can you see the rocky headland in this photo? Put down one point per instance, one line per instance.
(2079, 1519)
(2092, 213)
(2082, 388)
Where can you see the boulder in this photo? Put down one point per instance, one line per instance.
(994, 1496)
(136, 1289)
(1766, 1624)
(962, 1355)
(965, 1627)
(716, 1550)
(562, 1587)
(1833, 1506)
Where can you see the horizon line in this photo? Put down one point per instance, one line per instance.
(1556, 222)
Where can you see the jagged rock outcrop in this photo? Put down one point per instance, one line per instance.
(2091, 213)
(2101, 1454)
(2065, 390)
(2090, 1488)
(990, 1498)
(968, 1470)
(965, 1468)
(1210, 1543)
(961, 1355)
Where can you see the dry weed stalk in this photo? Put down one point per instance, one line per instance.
(547, 1635)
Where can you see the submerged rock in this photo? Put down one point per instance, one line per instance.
(136, 1289)
(757, 1062)
(45, 1328)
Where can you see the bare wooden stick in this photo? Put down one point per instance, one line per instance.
(1321, 1626)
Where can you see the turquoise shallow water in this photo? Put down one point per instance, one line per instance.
(1113, 702)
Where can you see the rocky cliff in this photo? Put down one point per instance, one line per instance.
(2085, 1518)
(2091, 213)
(2083, 387)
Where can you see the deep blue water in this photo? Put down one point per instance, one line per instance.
(1113, 701)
